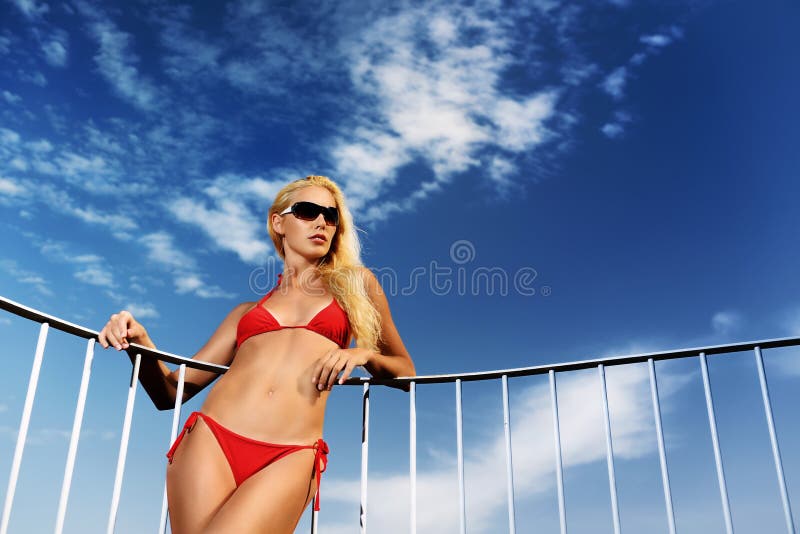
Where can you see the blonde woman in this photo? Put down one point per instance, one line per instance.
(251, 459)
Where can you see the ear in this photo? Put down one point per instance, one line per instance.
(277, 223)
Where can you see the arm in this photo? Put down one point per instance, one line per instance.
(391, 360)
(161, 383)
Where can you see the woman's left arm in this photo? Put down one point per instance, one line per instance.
(391, 360)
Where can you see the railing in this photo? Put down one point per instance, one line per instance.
(411, 383)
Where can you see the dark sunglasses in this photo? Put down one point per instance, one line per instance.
(308, 211)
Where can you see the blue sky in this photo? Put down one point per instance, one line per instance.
(629, 169)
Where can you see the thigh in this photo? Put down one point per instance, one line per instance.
(199, 481)
(271, 500)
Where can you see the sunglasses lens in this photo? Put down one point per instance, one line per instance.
(308, 211)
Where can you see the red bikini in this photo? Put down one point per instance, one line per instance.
(247, 456)
(330, 322)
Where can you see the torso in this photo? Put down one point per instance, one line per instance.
(267, 393)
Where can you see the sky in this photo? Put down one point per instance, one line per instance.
(536, 182)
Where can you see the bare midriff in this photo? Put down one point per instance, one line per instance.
(267, 393)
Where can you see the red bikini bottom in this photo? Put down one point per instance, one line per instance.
(247, 456)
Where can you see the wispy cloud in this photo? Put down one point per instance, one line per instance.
(11, 98)
(32, 9)
(614, 83)
(142, 311)
(162, 250)
(55, 48)
(435, 96)
(88, 268)
(616, 127)
(725, 322)
(231, 210)
(117, 62)
(663, 38)
(24, 276)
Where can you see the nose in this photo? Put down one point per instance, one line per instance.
(320, 221)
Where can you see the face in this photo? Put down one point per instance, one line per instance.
(310, 239)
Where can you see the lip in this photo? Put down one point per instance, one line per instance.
(319, 237)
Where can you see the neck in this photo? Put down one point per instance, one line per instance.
(298, 271)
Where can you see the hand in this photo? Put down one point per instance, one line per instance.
(338, 361)
(120, 329)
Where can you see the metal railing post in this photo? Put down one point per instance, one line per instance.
(512, 524)
(662, 455)
(33, 382)
(712, 423)
(75, 437)
(176, 419)
(364, 456)
(562, 509)
(773, 437)
(123, 445)
(612, 482)
(412, 431)
(462, 509)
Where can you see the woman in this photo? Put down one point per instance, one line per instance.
(251, 459)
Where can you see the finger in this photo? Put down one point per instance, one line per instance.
(335, 371)
(112, 339)
(327, 369)
(348, 370)
(122, 324)
(101, 338)
(315, 373)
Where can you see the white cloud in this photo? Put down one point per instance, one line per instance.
(18, 164)
(616, 127)
(612, 130)
(162, 249)
(614, 83)
(41, 146)
(55, 49)
(8, 137)
(723, 322)
(232, 213)
(142, 311)
(31, 8)
(35, 77)
(89, 268)
(26, 277)
(662, 39)
(117, 62)
(10, 187)
(582, 438)
(11, 98)
(433, 94)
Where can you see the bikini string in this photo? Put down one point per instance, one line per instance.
(321, 453)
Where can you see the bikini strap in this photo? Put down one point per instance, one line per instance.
(320, 456)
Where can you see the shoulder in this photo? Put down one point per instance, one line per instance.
(240, 309)
(371, 283)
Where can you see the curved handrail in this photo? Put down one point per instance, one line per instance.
(86, 333)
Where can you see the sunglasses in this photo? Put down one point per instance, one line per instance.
(308, 211)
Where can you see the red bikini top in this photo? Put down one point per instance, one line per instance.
(330, 322)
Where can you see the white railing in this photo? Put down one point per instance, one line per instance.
(411, 384)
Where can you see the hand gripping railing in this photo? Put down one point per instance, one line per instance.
(411, 383)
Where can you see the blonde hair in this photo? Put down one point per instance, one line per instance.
(341, 269)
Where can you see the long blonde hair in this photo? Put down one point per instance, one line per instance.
(341, 269)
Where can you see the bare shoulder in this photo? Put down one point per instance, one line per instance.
(371, 283)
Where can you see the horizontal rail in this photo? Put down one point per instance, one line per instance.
(403, 382)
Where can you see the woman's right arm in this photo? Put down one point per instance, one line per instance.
(160, 383)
